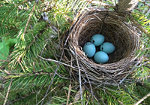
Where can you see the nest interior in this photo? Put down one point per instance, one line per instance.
(117, 31)
(113, 31)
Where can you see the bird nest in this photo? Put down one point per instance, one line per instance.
(116, 30)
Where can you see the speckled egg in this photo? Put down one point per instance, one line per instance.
(101, 57)
(89, 49)
(97, 39)
(107, 47)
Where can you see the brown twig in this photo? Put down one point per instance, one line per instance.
(47, 91)
(79, 79)
(126, 5)
(58, 62)
(68, 94)
(7, 93)
(141, 100)
(29, 19)
(52, 80)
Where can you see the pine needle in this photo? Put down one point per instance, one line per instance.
(7, 93)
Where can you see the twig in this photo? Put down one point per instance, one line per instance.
(89, 83)
(52, 60)
(79, 78)
(2, 95)
(29, 19)
(7, 93)
(46, 94)
(142, 99)
(78, 96)
(126, 5)
(130, 72)
(88, 100)
(25, 32)
(68, 94)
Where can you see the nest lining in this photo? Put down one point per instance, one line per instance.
(123, 35)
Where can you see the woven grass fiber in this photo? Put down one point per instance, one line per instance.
(117, 31)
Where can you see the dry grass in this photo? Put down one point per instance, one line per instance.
(117, 30)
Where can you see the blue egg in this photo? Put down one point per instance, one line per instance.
(97, 39)
(101, 57)
(89, 49)
(107, 47)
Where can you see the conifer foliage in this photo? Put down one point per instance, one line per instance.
(31, 30)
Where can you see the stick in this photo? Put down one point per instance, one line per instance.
(142, 99)
(47, 91)
(79, 79)
(52, 60)
(29, 19)
(7, 93)
(126, 5)
(68, 94)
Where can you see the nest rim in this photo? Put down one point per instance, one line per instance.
(122, 65)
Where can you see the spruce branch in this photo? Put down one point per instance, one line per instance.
(140, 27)
(39, 73)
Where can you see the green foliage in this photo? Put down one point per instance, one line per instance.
(27, 36)
(5, 46)
(4, 51)
(34, 37)
(142, 17)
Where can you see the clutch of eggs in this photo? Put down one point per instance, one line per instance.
(106, 48)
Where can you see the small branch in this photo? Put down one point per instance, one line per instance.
(17, 75)
(2, 95)
(79, 78)
(142, 99)
(126, 5)
(29, 19)
(47, 91)
(68, 94)
(58, 62)
(78, 96)
(7, 93)
(52, 80)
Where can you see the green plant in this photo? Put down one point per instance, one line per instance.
(38, 28)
